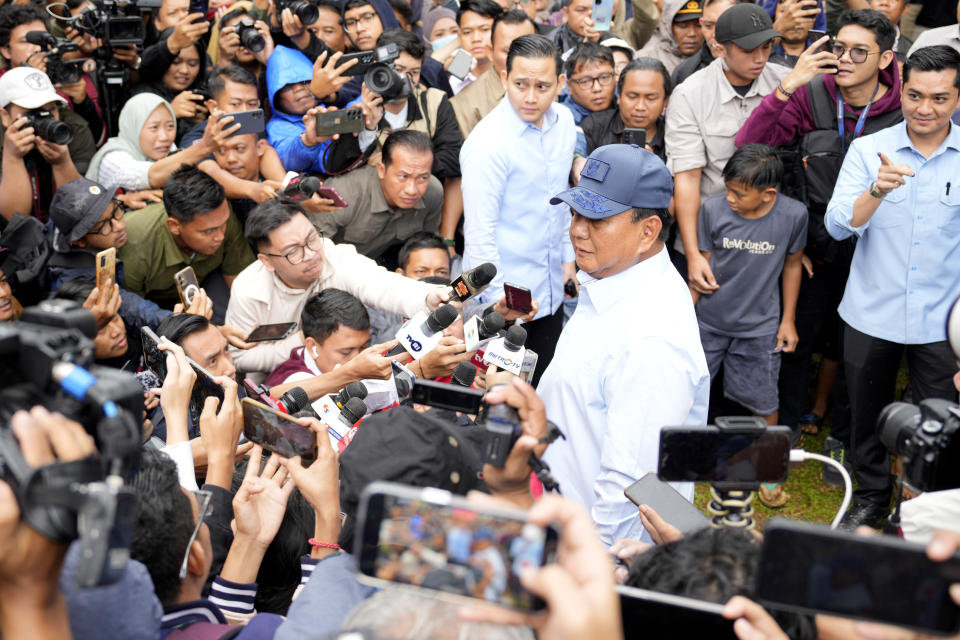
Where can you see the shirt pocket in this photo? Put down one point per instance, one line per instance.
(893, 211)
(719, 132)
(948, 216)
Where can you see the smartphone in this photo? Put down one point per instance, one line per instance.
(187, 285)
(199, 6)
(435, 540)
(250, 122)
(156, 360)
(634, 136)
(366, 59)
(332, 194)
(651, 614)
(602, 14)
(269, 332)
(277, 432)
(712, 454)
(518, 298)
(340, 121)
(529, 365)
(813, 569)
(106, 266)
(667, 502)
(446, 396)
(815, 34)
(460, 65)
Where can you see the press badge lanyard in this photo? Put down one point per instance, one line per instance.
(861, 121)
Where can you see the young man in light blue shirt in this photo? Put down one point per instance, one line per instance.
(899, 192)
(629, 361)
(513, 162)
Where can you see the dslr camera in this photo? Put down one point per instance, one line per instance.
(47, 127)
(307, 12)
(115, 23)
(58, 70)
(924, 437)
(250, 37)
(381, 78)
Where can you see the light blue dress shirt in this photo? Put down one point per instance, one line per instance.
(628, 363)
(511, 169)
(906, 268)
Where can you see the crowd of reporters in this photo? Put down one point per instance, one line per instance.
(120, 135)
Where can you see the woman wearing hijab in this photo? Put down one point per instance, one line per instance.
(140, 156)
(179, 85)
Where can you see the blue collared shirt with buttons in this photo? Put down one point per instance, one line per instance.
(511, 169)
(906, 269)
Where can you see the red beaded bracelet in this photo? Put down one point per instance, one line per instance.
(316, 544)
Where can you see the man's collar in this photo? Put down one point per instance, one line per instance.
(604, 293)
(952, 140)
(725, 90)
(181, 615)
(518, 125)
(309, 362)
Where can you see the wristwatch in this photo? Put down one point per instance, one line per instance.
(876, 192)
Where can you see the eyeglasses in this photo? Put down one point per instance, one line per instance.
(857, 55)
(107, 226)
(296, 254)
(586, 82)
(204, 510)
(366, 18)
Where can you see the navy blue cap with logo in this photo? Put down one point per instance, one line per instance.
(618, 177)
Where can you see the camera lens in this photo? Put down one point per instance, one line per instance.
(251, 38)
(51, 130)
(307, 13)
(897, 422)
(386, 81)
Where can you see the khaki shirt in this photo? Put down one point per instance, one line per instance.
(151, 256)
(368, 222)
(703, 117)
(479, 98)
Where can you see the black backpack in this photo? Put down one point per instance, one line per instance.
(812, 164)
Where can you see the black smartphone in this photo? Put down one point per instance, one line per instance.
(634, 136)
(268, 332)
(815, 34)
(277, 432)
(250, 122)
(712, 454)
(651, 614)
(667, 502)
(340, 121)
(199, 6)
(446, 396)
(518, 298)
(156, 360)
(436, 540)
(813, 569)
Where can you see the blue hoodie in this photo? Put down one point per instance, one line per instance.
(289, 66)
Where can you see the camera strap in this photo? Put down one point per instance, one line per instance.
(48, 500)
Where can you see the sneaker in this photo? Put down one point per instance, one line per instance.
(834, 449)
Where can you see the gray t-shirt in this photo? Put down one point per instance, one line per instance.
(747, 259)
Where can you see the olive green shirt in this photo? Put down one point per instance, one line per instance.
(151, 256)
(368, 222)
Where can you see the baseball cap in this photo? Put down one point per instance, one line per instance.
(618, 177)
(28, 88)
(746, 25)
(75, 208)
(619, 43)
(691, 10)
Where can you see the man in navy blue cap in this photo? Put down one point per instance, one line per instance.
(629, 361)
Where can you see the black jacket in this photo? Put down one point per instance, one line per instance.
(606, 127)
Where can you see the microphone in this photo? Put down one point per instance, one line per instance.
(507, 352)
(342, 428)
(301, 187)
(473, 281)
(464, 374)
(294, 400)
(352, 390)
(421, 333)
(477, 332)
